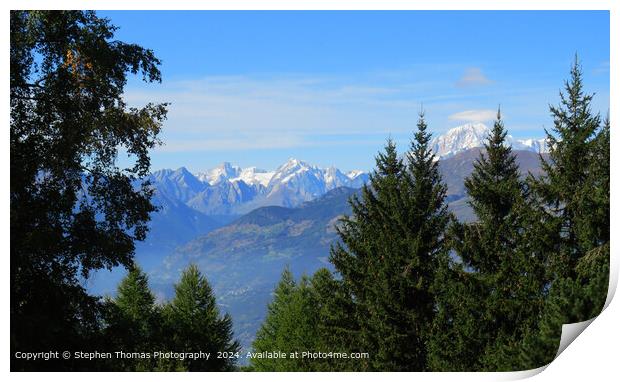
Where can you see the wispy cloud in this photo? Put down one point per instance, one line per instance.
(237, 112)
(602, 68)
(473, 77)
(292, 111)
(481, 115)
(230, 144)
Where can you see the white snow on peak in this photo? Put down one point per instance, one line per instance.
(473, 135)
(224, 171)
(290, 169)
(293, 174)
(253, 176)
(536, 145)
(354, 174)
(459, 139)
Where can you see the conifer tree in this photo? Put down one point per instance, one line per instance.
(367, 237)
(574, 194)
(132, 321)
(313, 315)
(336, 330)
(391, 245)
(194, 323)
(268, 336)
(564, 188)
(592, 224)
(290, 326)
(492, 293)
(569, 300)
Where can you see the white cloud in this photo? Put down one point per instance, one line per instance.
(473, 77)
(230, 144)
(237, 112)
(480, 115)
(286, 111)
(602, 68)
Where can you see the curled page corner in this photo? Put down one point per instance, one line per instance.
(524, 374)
(570, 332)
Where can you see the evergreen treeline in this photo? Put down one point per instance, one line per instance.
(189, 323)
(420, 291)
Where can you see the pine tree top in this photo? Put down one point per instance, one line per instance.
(193, 293)
(133, 295)
(494, 186)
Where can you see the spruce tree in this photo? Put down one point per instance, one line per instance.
(571, 299)
(389, 251)
(312, 315)
(132, 321)
(194, 324)
(291, 326)
(574, 194)
(269, 336)
(564, 186)
(336, 330)
(368, 236)
(490, 294)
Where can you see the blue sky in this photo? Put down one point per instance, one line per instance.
(255, 88)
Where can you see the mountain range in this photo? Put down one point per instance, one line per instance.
(231, 190)
(472, 135)
(242, 226)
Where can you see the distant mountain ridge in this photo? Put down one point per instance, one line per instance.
(472, 135)
(231, 190)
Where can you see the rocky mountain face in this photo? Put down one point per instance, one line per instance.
(231, 190)
(472, 135)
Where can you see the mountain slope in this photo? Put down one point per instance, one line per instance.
(243, 260)
(455, 169)
(472, 135)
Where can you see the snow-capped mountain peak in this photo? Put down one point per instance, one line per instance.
(473, 135)
(220, 173)
(293, 168)
(294, 165)
(254, 176)
(536, 145)
(354, 174)
(459, 139)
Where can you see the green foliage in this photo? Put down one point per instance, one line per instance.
(193, 324)
(536, 258)
(570, 300)
(310, 316)
(337, 330)
(574, 195)
(493, 288)
(390, 251)
(568, 186)
(290, 326)
(133, 322)
(72, 209)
